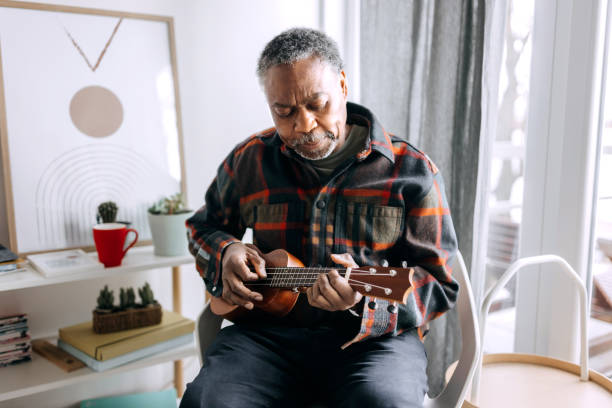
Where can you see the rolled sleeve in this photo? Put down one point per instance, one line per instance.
(214, 227)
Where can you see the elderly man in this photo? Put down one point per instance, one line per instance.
(329, 185)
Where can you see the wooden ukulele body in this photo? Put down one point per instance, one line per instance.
(277, 302)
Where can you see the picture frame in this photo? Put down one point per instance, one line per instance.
(89, 112)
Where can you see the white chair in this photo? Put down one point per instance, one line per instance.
(526, 380)
(209, 324)
(456, 389)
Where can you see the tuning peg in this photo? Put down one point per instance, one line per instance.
(404, 264)
(384, 263)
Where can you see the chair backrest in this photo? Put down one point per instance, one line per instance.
(209, 324)
(456, 389)
(207, 327)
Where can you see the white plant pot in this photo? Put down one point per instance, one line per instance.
(169, 234)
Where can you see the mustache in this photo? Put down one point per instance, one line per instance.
(311, 137)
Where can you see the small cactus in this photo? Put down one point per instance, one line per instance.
(107, 212)
(106, 299)
(146, 294)
(131, 297)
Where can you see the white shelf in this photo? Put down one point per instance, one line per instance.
(41, 375)
(137, 259)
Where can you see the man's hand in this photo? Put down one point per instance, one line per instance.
(235, 263)
(331, 291)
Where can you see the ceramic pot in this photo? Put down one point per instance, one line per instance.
(169, 233)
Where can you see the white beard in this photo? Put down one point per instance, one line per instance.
(317, 154)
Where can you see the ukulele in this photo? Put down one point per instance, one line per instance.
(287, 277)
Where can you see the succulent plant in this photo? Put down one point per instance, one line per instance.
(131, 297)
(107, 212)
(106, 299)
(146, 295)
(123, 299)
(174, 204)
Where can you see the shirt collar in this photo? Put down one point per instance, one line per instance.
(380, 140)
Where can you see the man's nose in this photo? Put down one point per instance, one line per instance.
(304, 121)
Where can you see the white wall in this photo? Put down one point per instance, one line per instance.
(217, 46)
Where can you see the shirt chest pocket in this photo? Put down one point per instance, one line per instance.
(368, 225)
(279, 226)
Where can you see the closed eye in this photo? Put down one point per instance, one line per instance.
(283, 112)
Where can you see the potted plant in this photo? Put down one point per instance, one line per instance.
(167, 222)
(107, 213)
(108, 318)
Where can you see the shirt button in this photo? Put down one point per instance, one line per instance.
(392, 309)
(320, 204)
(372, 305)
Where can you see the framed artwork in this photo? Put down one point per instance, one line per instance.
(89, 112)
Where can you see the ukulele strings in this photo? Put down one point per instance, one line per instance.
(297, 284)
(316, 271)
(312, 273)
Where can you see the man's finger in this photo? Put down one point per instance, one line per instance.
(258, 263)
(329, 292)
(345, 260)
(237, 300)
(342, 287)
(319, 298)
(242, 270)
(238, 288)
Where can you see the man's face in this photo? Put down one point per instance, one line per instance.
(307, 100)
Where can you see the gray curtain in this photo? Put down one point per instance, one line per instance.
(421, 73)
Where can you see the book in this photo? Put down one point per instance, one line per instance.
(8, 355)
(13, 327)
(156, 399)
(16, 360)
(13, 334)
(12, 266)
(97, 365)
(12, 319)
(16, 343)
(8, 267)
(64, 262)
(105, 346)
(6, 255)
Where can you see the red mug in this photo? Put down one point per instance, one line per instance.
(110, 240)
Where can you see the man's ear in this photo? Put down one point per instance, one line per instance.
(344, 84)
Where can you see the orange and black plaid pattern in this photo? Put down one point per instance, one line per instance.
(387, 203)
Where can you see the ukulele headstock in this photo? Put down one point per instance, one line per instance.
(382, 282)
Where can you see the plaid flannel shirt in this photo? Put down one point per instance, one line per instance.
(387, 203)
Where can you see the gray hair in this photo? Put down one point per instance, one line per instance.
(297, 44)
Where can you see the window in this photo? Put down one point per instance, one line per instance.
(507, 171)
(600, 328)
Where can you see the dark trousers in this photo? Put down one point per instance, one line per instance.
(292, 367)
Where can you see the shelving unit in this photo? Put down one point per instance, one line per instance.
(41, 375)
(137, 259)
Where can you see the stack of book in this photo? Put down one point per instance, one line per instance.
(10, 262)
(104, 351)
(15, 344)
